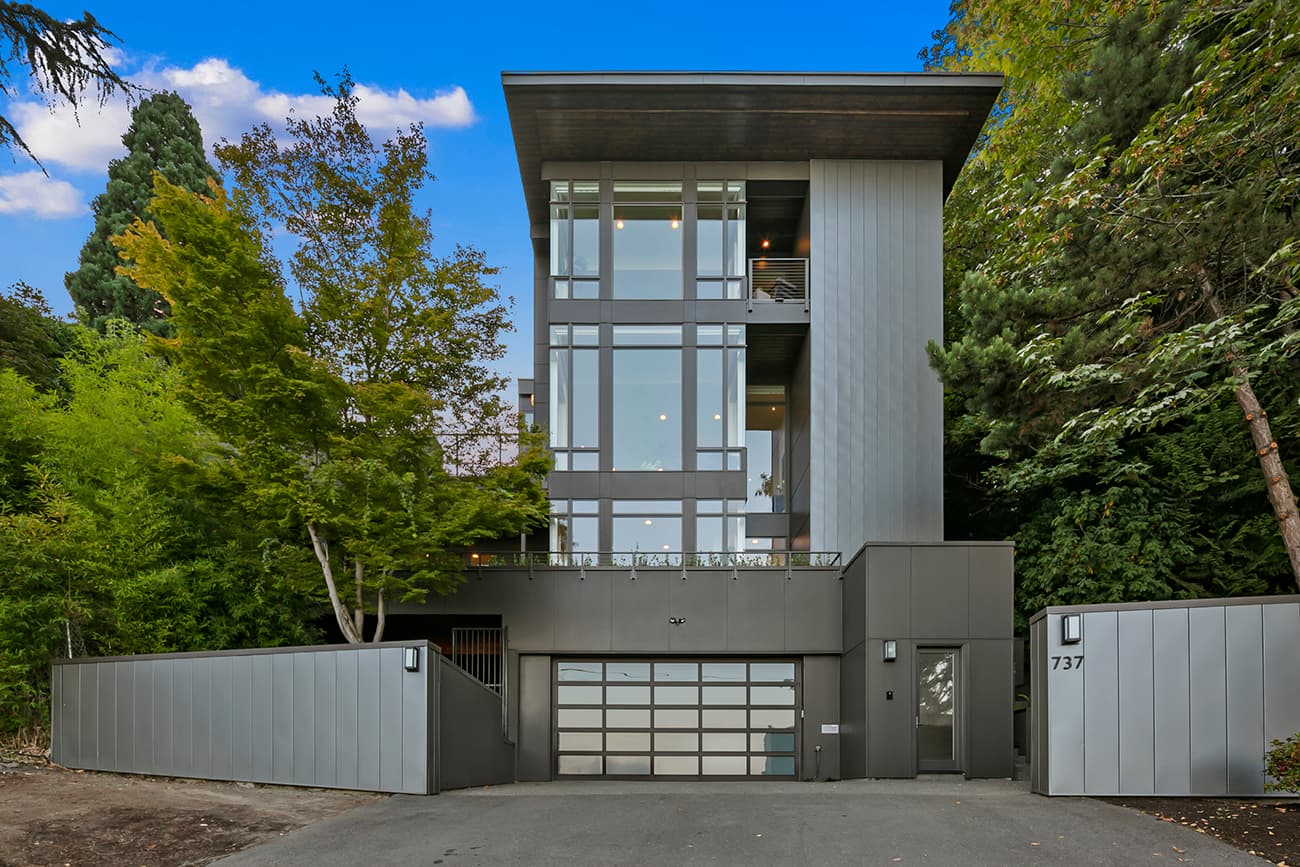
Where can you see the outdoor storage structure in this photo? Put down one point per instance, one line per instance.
(388, 717)
(1163, 698)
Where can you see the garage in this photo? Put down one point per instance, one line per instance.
(678, 718)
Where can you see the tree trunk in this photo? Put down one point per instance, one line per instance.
(1280, 493)
(359, 613)
(1276, 481)
(379, 625)
(341, 613)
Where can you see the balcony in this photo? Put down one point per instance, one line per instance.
(778, 281)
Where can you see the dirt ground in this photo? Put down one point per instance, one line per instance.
(1269, 829)
(53, 816)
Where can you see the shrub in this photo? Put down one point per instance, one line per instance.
(1282, 765)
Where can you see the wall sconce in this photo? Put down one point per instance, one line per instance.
(1071, 628)
(411, 659)
(889, 650)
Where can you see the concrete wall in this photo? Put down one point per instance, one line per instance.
(608, 610)
(334, 717)
(472, 748)
(877, 298)
(1172, 698)
(945, 595)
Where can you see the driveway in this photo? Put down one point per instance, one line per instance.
(927, 821)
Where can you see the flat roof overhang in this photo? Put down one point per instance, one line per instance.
(741, 117)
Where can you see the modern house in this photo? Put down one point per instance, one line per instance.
(745, 575)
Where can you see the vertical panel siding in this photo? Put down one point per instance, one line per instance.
(347, 718)
(1173, 701)
(1201, 690)
(876, 299)
(1137, 726)
(1244, 631)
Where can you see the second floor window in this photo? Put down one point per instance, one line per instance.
(647, 398)
(575, 397)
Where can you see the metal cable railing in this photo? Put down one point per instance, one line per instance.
(778, 281)
(664, 559)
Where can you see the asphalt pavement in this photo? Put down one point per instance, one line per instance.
(928, 821)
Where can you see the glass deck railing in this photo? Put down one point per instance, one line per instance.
(662, 559)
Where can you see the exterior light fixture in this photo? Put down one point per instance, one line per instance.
(1071, 628)
(411, 659)
(889, 650)
(765, 243)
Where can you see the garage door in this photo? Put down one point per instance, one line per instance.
(676, 718)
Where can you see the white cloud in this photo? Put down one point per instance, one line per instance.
(226, 102)
(33, 193)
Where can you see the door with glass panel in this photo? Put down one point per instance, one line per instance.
(676, 718)
(938, 710)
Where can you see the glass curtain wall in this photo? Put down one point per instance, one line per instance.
(575, 396)
(720, 237)
(647, 398)
(647, 526)
(575, 239)
(719, 409)
(575, 528)
(647, 240)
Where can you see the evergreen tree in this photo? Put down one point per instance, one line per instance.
(163, 137)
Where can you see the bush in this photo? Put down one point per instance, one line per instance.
(1282, 765)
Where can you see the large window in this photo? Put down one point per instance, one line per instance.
(765, 442)
(575, 526)
(575, 397)
(647, 526)
(719, 525)
(720, 239)
(647, 240)
(719, 408)
(575, 239)
(647, 398)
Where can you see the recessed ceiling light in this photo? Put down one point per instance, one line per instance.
(618, 224)
(663, 417)
(717, 417)
(765, 244)
(665, 547)
(648, 522)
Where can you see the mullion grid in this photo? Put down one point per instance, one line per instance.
(747, 732)
(724, 281)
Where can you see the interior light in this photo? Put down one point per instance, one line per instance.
(674, 223)
(765, 244)
(618, 224)
(663, 417)
(648, 522)
(665, 547)
(717, 417)
(773, 409)
(753, 541)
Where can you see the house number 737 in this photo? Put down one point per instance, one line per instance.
(1067, 662)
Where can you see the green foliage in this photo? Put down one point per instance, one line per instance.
(163, 137)
(1119, 288)
(31, 340)
(118, 531)
(1282, 766)
(337, 413)
(63, 59)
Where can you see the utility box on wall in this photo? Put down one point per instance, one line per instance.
(1162, 698)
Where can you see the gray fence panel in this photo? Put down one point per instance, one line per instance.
(472, 750)
(1244, 629)
(1173, 701)
(1202, 686)
(1137, 727)
(332, 717)
(1101, 703)
(345, 721)
(1206, 643)
(1281, 671)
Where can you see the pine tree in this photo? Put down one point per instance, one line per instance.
(163, 137)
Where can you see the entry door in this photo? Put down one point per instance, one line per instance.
(938, 706)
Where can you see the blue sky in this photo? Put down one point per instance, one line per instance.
(240, 63)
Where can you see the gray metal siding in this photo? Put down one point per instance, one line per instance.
(876, 284)
(534, 750)
(821, 705)
(471, 748)
(336, 718)
(1174, 698)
